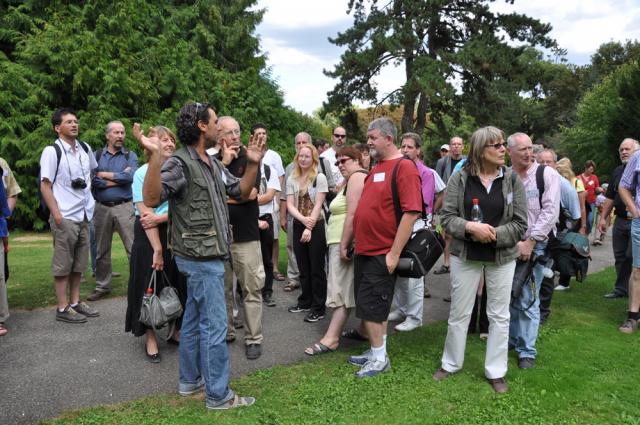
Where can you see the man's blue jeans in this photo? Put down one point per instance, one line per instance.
(525, 316)
(203, 350)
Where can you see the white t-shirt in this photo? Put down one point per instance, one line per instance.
(439, 183)
(273, 159)
(272, 183)
(74, 204)
(330, 155)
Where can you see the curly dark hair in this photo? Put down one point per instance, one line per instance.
(56, 119)
(187, 122)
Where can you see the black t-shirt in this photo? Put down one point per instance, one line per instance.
(454, 162)
(492, 206)
(612, 192)
(244, 217)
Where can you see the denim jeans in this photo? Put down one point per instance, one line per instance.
(525, 316)
(203, 350)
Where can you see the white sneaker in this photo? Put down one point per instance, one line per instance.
(561, 288)
(395, 316)
(373, 368)
(407, 325)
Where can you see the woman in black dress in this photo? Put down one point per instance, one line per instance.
(149, 252)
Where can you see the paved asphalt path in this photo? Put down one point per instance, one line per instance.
(48, 367)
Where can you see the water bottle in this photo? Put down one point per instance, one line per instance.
(476, 212)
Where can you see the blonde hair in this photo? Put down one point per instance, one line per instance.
(565, 169)
(313, 170)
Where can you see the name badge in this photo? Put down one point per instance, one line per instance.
(378, 177)
(532, 193)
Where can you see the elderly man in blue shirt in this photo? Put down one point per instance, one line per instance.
(111, 184)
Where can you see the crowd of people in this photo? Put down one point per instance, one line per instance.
(206, 218)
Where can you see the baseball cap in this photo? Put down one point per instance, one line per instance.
(444, 147)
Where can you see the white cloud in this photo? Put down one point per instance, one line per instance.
(303, 13)
(579, 26)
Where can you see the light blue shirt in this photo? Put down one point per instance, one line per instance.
(569, 199)
(136, 189)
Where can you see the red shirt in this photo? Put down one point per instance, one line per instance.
(375, 223)
(590, 184)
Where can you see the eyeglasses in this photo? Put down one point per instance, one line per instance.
(339, 136)
(235, 132)
(342, 161)
(497, 145)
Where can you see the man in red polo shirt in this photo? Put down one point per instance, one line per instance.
(379, 240)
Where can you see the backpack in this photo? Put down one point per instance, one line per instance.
(43, 211)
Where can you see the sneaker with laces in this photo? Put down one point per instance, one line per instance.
(374, 367)
(407, 326)
(360, 359)
(69, 315)
(313, 317)
(629, 326)
(297, 309)
(84, 309)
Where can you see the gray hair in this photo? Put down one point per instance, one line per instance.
(305, 135)
(635, 142)
(107, 128)
(413, 136)
(553, 153)
(226, 118)
(512, 140)
(386, 127)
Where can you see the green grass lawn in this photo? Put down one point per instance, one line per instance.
(31, 284)
(587, 373)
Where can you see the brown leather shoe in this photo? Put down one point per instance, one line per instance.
(97, 295)
(441, 374)
(499, 385)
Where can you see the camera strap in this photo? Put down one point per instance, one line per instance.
(69, 164)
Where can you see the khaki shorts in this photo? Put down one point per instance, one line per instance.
(339, 280)
(70, 247)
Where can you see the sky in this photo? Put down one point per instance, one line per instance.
(294, 35)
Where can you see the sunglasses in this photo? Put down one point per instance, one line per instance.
(342, 161)
(339, 136)
(497, 145)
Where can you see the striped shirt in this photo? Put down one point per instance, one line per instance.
(541, 222)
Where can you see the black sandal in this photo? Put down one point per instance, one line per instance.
(353, 333)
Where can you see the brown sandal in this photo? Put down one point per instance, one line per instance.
(290, 287)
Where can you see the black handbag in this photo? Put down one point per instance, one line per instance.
(160, 311)
(424, 247)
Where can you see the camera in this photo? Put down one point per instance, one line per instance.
(78, 183)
